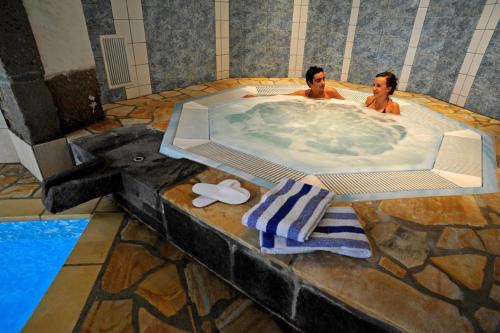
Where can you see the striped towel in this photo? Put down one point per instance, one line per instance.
(291, 209)
(339, 232)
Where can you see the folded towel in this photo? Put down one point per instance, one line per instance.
(291, 209)
(339, 232)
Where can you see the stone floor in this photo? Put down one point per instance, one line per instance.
(443, 253)
(142, 283)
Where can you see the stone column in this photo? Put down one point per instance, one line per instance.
(26, 103)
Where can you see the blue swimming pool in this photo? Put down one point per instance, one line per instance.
(31, 255)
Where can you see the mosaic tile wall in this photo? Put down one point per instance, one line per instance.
(259, 37)
(180, 37)
(485, 94)
(99, 19)
(382, 36)
(327, 25)
(447, 31)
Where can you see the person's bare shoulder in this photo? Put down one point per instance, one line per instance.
(368, 100)
(393, 108)
(299, 93)
(333, 93)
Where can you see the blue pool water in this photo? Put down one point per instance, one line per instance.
(31, 255)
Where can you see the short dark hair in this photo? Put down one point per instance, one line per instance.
(390, 80)
(313, 70)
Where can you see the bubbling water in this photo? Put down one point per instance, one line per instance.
(323, 136)
(317, 127)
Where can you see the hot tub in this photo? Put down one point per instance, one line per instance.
(343, 146)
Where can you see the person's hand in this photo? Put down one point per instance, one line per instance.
(249, 95)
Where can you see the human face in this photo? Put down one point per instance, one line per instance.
(318, 83)
(380, 88)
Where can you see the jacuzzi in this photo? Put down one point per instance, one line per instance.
(356, 152)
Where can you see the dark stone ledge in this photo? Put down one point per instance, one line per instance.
(200, 241)
(317, 313)
(259, 278)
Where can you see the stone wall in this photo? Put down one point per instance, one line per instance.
(25, 101)
(447, 31)
(382, 34)
(259, 37)
(423, 42)
(99, 20)
(180, 36)
(62, 40)
(326, 36)
(485, 92)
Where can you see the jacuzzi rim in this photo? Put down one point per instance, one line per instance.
(488, 172)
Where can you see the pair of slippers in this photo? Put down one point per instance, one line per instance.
(228, 191)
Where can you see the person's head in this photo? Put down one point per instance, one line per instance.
(385, 83)
(315, 78)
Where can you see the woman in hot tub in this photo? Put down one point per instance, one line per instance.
(384, 85)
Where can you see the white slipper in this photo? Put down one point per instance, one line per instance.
(203, 201)
(226, 194)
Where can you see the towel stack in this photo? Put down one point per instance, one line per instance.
(294, 217)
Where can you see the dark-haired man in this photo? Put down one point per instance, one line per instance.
(315, 79)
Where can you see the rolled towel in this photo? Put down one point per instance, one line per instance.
(291, 209)
(339, 232)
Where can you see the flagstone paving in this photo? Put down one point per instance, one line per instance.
(436, 264)
(152, 287)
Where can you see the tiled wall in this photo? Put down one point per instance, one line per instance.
(298, 38)
(127, 15)
(259, 36)
(222, 38)
(424, 42)
(382, 34)
(446, 33)
(485, 92)
(327, 26)
(99, 19)
(180, 36)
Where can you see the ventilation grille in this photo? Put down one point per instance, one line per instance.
(115, 60)
(252, 165)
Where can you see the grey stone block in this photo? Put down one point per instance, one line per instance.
(201, 242)
(84, 182)
(261, 280)
(315, 313)
(31, 113)
(19, 57)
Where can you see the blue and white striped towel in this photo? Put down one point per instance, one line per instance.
(291, 209)
(339, 232)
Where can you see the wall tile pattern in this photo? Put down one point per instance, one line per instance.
(180, 35)
(222, 38)
(327, 26)
(99, 20)
(128, 20)
(477, 47)
(446, 33)
(412, 47)
(485, 93)
(299, 33)
(259, 35)
(353, 21)
(382, 35)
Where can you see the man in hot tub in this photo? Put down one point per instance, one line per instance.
(315, 79)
